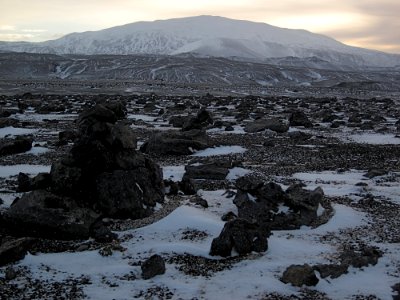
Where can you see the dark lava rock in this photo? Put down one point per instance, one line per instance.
(187, 186)
(331, 270)
(396, 289)
(305, 202)
(200, 121)
(177, 121)
(363, 258)
(299, 118)
(199, 201)
(8, 122)
(153, 266)
(229, 216)
(102, 234)
(14, 250)
(375, 172)
(242, 236)
(43, 214)
(176, 143)
(67, 136)
(299, 275)
(229, 128)
(212, 171)
(40, 181)
(122, 194)
(18, 145)
(24, 183)
(273, 124)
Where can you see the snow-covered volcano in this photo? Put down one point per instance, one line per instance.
(209, 36)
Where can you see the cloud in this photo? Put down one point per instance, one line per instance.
(15, 37)
(7, 27)
(34, 30)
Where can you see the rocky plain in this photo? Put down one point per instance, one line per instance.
(196, 195)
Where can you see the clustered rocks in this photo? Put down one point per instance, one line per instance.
(102, 176)
(259, 204)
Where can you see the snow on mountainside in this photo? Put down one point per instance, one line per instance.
(209, 36)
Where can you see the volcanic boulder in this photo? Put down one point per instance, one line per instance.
(242, 236)
(176, 143)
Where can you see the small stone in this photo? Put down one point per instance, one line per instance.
(153, 266)
(299, 275)
(10, 273)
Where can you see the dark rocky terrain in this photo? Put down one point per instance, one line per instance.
(265, 197)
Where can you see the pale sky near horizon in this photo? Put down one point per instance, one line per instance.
(373, 24)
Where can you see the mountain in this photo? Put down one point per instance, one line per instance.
(209, 36)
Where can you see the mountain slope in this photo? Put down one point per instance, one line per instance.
(209, 36)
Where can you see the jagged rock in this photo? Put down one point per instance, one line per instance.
(176, 143)
(66, 180)
(67, 136)
(199, 201)
(299, 275)
(242, 236)
(123, 194)
(273, 124)
(363, 258)
(375, 172)
(102, 234)
(299, 118)
(229, 216)
(331, 270)
(187, 186)
(24, 182)
(201, 120)
(14, 250)
(153, 266)
(212, 171)
(305, 202)
(18, 145)
(8, 122)
(43, 214)
(177, 121)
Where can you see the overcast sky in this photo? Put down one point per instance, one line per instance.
(373, 24)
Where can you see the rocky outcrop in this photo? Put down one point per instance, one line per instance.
(43, 214)
(262, 202)
(153, 266)
(103, 175)
(299, 118)
(17, 145)
(299, 275)
(273, 124)
(176, 143)
(14, 250)
(242, 236)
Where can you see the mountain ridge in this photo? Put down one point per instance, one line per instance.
(209, 36)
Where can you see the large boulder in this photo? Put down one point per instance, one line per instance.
(212, 171)
(43, 214)
(127, 194)
(304, 202)
(17, 145)
(242, 236)
(14, 250)
(273, 124)
(299, 275)
(176, 143)
(201, 120)
(299, 118)
(153, 266)
(272, 208)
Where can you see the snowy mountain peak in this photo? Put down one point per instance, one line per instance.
(209, 36)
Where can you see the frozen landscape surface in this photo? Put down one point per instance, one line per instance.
(350, 151)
